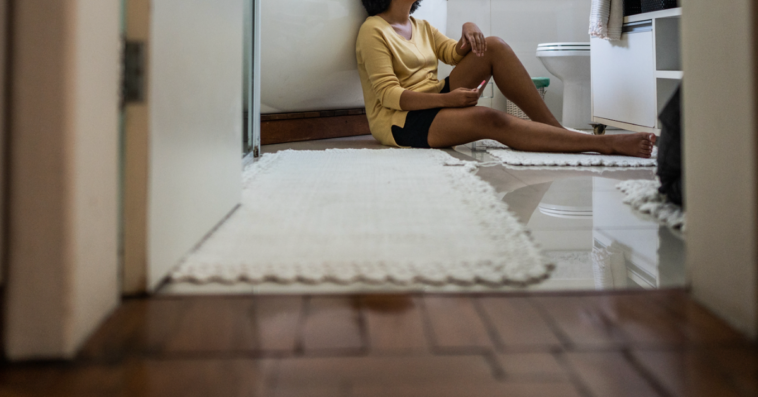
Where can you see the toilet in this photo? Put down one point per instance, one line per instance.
(570, 62)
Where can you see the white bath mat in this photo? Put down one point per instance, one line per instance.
(519, 158)
(396, 216)
(643, 196)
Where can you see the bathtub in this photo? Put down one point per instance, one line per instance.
(308, 52)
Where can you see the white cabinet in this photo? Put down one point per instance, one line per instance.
(632, 79)
(623, 78)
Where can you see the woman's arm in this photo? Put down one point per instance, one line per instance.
(458, 98)
(472, 39)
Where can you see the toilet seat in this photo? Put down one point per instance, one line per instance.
(563, 49)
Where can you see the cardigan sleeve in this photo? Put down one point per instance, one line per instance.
(444, 47)
(381, 74)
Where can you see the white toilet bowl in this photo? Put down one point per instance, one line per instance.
(570, 62)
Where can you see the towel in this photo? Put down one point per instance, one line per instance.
(607, 19)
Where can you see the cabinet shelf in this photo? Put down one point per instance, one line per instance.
(671, 12)
(669, 74)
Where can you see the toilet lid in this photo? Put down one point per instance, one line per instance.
(563, 47)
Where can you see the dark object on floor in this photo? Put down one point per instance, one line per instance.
(657, 5)
(670, 150)
(632, 7)
(598, 129)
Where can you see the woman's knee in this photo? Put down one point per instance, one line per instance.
(492, 119)
(495, 42)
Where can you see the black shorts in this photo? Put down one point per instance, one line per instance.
(415, 133)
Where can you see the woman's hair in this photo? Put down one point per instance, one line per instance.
(379, 6)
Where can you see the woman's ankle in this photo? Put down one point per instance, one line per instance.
(606, 144)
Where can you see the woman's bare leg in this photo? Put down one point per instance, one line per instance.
(457, 126)
(510, 76)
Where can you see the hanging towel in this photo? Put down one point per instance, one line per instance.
(607, 19)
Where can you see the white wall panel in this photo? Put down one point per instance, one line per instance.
(308, 55)
(308, 52)
(460, 12)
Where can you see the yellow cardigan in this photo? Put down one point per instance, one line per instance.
(389, 64)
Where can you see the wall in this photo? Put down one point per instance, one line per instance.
(195, 160)
(524, 24)
(308, 53)
(63, 200)
(721, 166)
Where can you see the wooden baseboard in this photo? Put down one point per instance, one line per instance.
(307, 126)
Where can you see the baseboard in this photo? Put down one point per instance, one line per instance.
(307, 126)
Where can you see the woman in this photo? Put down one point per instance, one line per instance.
(407, 106)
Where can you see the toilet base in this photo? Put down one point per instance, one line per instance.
(577, 100)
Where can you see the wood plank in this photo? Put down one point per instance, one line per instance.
(277, 321)
(696, 322)
(306, 129)
(584, 325)
(394, 323)
(332, 323)
(610, 374)
(742, 366)
(30, 380)
(341, 374)
(518, 323)
(489, 389)
(139, 326)
(216, 325)
(455, 323)
(686, 373)
(533, 366)
(401, 376)
(639, 318)
(208, 377)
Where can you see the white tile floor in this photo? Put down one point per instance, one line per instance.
(574, 215)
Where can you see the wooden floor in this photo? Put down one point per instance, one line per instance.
(623, 344)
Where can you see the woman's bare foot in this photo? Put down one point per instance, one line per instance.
(636, 145)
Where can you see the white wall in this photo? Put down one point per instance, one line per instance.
(308, 53)
(721, 156)
(195, 124)
(434, 11)
(63, 201)
(524, 24)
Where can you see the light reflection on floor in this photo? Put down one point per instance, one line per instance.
(577, 216)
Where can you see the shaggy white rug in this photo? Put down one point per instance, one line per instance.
(643, 196)
(515, 157)
(398, 216)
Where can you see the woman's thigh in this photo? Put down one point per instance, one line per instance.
(470, 72)
(457, 126)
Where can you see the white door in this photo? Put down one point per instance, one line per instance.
(184, 140)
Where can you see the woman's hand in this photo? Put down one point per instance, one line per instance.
(474, 39)
(463, 97)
